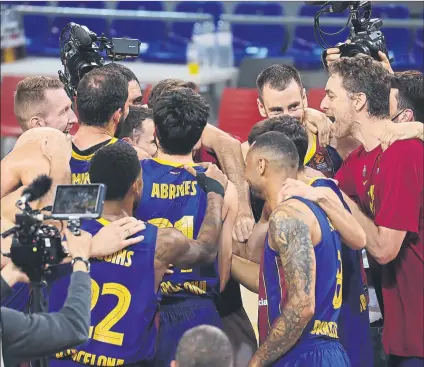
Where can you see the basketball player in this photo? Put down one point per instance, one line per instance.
(172, 199)
(300, 289)
(219, 147)
(124, 284)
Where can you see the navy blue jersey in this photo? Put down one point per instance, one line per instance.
(354, 321)
(123, 304)
(172, 198)
(80, 163)
(328, 288)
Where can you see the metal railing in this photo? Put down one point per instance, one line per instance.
(115, 14)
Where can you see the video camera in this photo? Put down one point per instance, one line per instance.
(365, 35)
(80, 52)
(36, 245)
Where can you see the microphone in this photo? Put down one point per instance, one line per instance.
(37, 189)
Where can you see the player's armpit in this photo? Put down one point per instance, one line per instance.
(229, 215)
(291, 238)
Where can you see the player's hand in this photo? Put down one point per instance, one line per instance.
(293, 187)
(78, 246)
(311, 173)
(114, 237)
(244, 224)
(212, 171)
(333, 54)
(169, 270)
(384, 60)
(319, 124)
(402, 131)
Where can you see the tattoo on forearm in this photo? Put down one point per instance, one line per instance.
(291, 237)
(212, 223)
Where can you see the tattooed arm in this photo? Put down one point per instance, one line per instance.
(172, 247)
(291, 238)
(230, 158)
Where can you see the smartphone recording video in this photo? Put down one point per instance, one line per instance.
(79, 201)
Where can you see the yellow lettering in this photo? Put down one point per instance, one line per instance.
(180, 190)
(120, 257)
(363, 302)
(80, 178)
(325, 328)
(155, 191)
(102, 361)
(193, 188)
(108, 258)
(79, 356)
(111, 362)
(120, 362)
(315, 328)
(187, 187)
(163, 191)
(172, 190)
(86, 359)
(129, 260)
(337, 299)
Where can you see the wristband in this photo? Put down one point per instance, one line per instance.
(86, 262)
(209, 184)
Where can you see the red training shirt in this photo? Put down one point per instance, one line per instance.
(389, 188)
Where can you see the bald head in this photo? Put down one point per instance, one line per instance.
(204, 346)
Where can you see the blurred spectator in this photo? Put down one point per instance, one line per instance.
(407, 96)
(134, 90)
(204, 346)
(139, 129)
(41, 101)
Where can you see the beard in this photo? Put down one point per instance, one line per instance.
(342, 126)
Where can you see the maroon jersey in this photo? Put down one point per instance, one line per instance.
(389, 189)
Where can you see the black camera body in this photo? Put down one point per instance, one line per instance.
(80, 52)
(35, 246)
(368, 40)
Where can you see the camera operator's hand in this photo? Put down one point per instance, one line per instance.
(78, 246)
(319, 124)
(115, 236)
(12, 275)
(384, 60)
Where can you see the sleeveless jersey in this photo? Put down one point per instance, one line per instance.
(323, 159)
(172, 198)
(328, 288)
(123, 304)
(354, 321)
(80, 163)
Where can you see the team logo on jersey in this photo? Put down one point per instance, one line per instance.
(263, 302)
(320, 162)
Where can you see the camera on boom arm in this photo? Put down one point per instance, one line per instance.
(80, 52)
(365, 36)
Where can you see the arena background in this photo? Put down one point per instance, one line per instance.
(263, 33)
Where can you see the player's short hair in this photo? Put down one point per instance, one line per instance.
(278, 77)
(204, 346)
(411, 91)
(164, 86)
(124, 70)
(280, 146)
(100, 94)
(287, 125)
(30, 98)
(117, 166)
(180, 116)
(133, 125)
(365, 75)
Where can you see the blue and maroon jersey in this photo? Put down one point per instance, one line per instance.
(354, 320)
(80, 162)
(172, 198)
(328, 288)
(123, 304)
(323, 159)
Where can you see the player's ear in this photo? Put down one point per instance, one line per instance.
(261, 166)
(261, 108)
(360, 101)
(304, 98)
(406, 116)
(36, 121)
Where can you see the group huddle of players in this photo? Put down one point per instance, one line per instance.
(184, 265)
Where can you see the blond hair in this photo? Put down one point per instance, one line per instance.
(30, 97)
